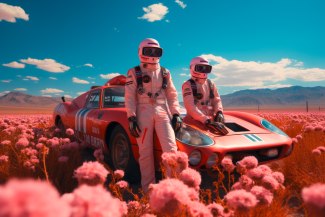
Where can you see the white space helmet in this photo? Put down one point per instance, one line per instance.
(149, 51)
(200, 68)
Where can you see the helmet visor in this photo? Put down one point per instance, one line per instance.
(152, 51)
(203, 68)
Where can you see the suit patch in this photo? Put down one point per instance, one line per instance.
(187, 94)
(187, 89)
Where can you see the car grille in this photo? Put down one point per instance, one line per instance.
(238, 155)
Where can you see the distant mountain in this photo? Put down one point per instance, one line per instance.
(24, 100)
(288, 96)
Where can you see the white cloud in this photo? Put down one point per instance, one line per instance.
(185, 69)
(6, 81)
(180, 3)
(184, 74)
(258, 74)
(4, 93)
(272, 86)
(53, 78)
(89, 65)
(15, 65)
(80, 93)
(31, 78)
(79, 81)
(154, 12)
(47, 95)
(48, 65)
(51, 90)
(20, 89)
(11, 13)
(109, 75)
(68, 96)
(91, 78)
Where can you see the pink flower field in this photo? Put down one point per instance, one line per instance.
(43, 172)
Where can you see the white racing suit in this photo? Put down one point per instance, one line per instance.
(152, 114)
(205, 108)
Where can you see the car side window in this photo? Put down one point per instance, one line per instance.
(93, 99)
(113, 97)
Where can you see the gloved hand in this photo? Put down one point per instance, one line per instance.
(177, 122)
(216, 126)
(219, 117)
(134, 127)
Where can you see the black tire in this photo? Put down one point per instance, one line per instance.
(60, 125)
(121, 156)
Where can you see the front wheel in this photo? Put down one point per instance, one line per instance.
(121, 156)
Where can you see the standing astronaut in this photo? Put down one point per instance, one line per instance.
(201, 98)
(150, 99)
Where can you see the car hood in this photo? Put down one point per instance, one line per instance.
(237, 126)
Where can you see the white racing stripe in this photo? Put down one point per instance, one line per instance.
(76, 118)
(85, 121)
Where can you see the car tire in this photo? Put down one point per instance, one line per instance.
(121, 156)
(60, 125)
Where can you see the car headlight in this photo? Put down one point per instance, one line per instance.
(190, 136)
(194, 158)
(269, 126)
(212, 160)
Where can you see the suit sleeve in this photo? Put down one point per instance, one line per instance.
(217, 104)
(190, 107)
(131, 94)
(171, 95)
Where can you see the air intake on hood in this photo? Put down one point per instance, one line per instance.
(235, 127)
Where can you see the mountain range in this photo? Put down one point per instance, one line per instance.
(288, 96)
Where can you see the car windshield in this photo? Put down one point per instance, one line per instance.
(114, 97)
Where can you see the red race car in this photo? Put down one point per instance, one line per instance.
(99, 118)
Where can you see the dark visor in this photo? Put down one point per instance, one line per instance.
(203, 68)
(152, 51)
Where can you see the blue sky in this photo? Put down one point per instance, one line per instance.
(251, 44)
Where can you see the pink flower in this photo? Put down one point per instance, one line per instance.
(174, 162)
(278, 176)
(42, 140)
(54, 142)
(89, 201)
(249, 162)
(246, 182)
(98, 154)
(122, 184)
(240, 200)
(69, 131)
(119, 174)
(170, 196)
(148, 215)
(22, 143)
(4, 159)
(134, 205)
(218, 211)
(266, 170)
(198, 209)
(316, 151)
(270, 183)
(314, 195)
(63, 159)
(314, 198)
(263, 195)
(39, 145)
(227, 164)
(91, 173)
(5, 142)
(299, 137)
(256, 173)
(236, 186)
(21, 198)
(191, 178)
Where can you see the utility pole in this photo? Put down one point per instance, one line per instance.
(307, 105)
